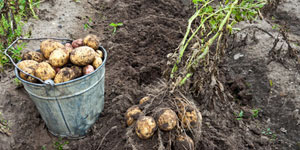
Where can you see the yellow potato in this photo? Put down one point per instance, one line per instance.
(144, 99)
(99, 53)
(27, 64)
(27, 77)
(97, 62)
(58, 58)
(77, 70)
(91, 41)
(44, 71)
(188, 115)
(145, 127)
(184, 142)
(167, 119)
(48, 46)
(64, 75)
(82, 56)
(33, 55)
(132, 114)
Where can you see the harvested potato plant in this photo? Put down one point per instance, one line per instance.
(27, 64)
(132, 114)
(91, 41)
(77, 70)
(97, 62)
(82, 56)
(44, 71)
(166, 119)
(88, 69)
(64, 75)
(33, 55)
(59, 57)
(184, 142)
(48, 46)
(27, 77)
(145, 127)
(144, 99)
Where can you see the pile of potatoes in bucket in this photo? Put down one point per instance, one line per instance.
(60, 62)
(166, 120)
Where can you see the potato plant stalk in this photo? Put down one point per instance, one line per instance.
(214, 24)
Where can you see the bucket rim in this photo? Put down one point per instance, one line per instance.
(71, 81)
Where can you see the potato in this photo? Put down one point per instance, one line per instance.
(48, 46)
(27, 77)
(188, 116)
(132, 114)
(82, 56)
(77, 70)
(145, 127)
(44, 71)
(64, 75)
(97, 62)
(27, 64)
(77, 43)
(58, 58)
(144, 99)
(184, 142)
(88, 69)
(99, 53)
(33, 55)
(167, 119)
(91, 41)
(68, 48)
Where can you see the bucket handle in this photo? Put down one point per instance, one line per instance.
(28, 39)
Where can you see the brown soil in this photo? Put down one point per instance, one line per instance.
(136, 60)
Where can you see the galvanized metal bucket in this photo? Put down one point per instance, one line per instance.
(69, 109)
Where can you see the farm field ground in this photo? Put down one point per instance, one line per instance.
(258, 77)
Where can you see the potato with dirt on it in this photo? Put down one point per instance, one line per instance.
(166, 119)
(48, 46)
(44, 71)
(88, 69)
(99, 53)
(77, 70)
(91, 41)
(26, 77)
(188, 116)
(58, 58)
(82, 56)
(64, 75)
(184, 142)
(68, 48)
(97, 62)
(77, 43)
(144, 99)
(27, 64)
(33, 55)
(132, 114)
(145, 127)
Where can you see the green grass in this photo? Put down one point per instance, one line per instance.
(240, 115)
(115, 26)
(12, 16)
(58, 145)
(255, 113)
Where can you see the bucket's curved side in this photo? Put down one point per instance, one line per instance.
(72, 116)
(70, 109)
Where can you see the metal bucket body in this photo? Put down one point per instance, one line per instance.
(69, 109)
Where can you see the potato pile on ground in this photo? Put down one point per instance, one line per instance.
(168, 119)
(62, 63)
